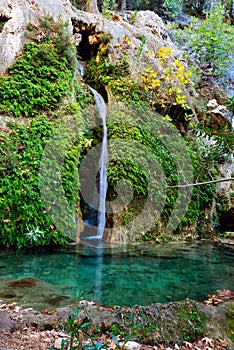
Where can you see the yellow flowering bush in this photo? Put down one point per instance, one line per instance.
(169, 84)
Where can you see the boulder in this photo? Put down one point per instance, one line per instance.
(6, 323)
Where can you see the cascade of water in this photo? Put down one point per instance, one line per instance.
(103, 184)
(102, 111)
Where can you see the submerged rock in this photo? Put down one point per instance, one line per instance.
(23, 282)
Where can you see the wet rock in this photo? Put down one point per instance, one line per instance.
(219, 114)
(124, 36)
(23, 282)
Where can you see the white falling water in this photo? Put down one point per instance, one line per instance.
(103, 184)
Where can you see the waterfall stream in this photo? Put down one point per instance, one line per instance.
(103, 184)
(102, 111)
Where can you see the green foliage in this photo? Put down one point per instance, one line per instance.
(104, 72)
(143, 42)
(32, 87)
(38, 82)
(230, 103)
(41, 75)
(127, 90)
(173, 7)
(109, 5)
(210, 41)
(24, 220)
(73, 326)
(194, 323)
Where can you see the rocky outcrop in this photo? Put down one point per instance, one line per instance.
(147, 34)
(18, 14)
(219, 115)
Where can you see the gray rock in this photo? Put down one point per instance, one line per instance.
(6, 323)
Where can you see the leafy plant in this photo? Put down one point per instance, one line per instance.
(109, 5)
(73, 326)
(140, 49)
(230, 103)
(173, 7)
(210, 41)
(131, 335)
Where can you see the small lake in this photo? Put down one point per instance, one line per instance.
(118, 274)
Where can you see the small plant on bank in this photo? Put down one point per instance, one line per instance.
(173, 7)
(131, 335)
(74, 327)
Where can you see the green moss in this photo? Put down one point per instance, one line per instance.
(41, 76)
(230, 322)
(35, 85)
(192, 322)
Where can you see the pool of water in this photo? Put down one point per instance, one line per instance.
(124, 275)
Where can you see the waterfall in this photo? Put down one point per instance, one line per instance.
(102, 111)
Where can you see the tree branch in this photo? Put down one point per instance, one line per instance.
(202, 183)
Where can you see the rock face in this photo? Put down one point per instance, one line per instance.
(147, 33)
(18, 14)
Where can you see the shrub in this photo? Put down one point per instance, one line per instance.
(211, 41)
(168, 85)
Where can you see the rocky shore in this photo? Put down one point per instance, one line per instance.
(176, 325)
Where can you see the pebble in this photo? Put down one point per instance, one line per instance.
(58, 343)
(17, 309)
(132, 345)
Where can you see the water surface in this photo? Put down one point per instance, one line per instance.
(122, 275)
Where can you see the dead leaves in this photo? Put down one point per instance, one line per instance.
(223, 295)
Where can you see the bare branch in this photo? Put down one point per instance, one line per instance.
(202, 183)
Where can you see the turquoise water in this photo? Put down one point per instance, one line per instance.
(127, 275)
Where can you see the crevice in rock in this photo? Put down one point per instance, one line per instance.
(89, 45)
(3, 20)
(90, 39)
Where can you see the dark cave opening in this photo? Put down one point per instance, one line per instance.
(3, 20)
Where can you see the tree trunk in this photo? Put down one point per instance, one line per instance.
(91, 6)
(123, 5)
